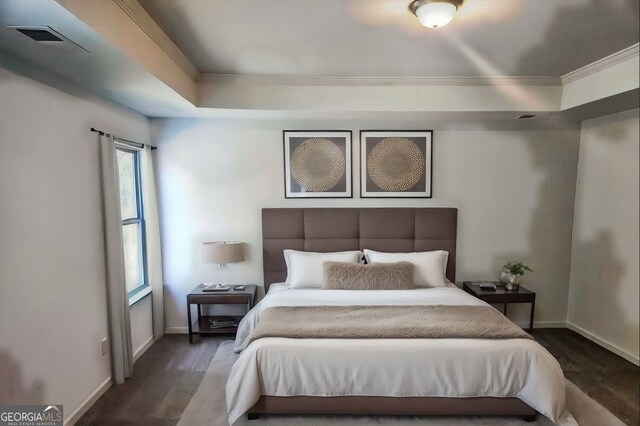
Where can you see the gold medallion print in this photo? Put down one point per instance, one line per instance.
(395, 164)
(317, 164)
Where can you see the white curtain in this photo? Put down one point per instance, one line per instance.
(117, 297)
(154, 252)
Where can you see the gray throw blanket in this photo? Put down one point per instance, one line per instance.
(386, 322)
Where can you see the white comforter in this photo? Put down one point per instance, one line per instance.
(391, 367)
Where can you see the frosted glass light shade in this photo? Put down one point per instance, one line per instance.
(222, 252)
(436, 14)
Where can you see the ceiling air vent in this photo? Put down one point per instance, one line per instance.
(44, 34)
(39, 34)
(526, 116)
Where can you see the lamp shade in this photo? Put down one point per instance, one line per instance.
(222, 252)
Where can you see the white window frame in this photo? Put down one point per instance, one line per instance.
(143, 289)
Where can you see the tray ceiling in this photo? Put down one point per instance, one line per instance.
(333, 59)
(381, 38)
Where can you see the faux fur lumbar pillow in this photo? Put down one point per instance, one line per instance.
(374, 276)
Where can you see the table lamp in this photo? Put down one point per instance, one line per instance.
(222, 252)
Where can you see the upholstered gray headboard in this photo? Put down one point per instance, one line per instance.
(338, 229)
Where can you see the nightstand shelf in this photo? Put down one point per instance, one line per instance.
(201, 325)
(502, 295)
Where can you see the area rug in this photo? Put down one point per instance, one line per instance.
(208, 407)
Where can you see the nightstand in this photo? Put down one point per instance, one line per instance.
(502, 295)
(231, 297)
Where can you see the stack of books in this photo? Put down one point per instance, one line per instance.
(222, 322)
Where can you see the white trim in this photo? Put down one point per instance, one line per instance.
(127, 146)
(290, 80)
(176, 330)
(139, 295)
(601, 64)
(88, 403)
(143, 348)
(141, 18)
(610, 346)
(584, 333)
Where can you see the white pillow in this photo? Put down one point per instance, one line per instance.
(429, 267)
(304, 269)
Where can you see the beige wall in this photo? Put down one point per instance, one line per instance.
(604, 295)
(514, 188)
(52, 273)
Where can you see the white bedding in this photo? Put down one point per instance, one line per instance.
(390, 367)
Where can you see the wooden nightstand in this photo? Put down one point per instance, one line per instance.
(198, 297)
(502, 295)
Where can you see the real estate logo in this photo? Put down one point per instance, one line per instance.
(31, 415)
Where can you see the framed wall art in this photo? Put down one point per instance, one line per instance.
(317, 164)
(395, 164)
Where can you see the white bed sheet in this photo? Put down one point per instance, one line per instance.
(390, 367)
(276, 287)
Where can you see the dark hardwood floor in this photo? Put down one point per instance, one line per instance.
(168, 374)
(164, 380)
(607, 378)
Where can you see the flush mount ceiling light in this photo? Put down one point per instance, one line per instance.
(434, 13)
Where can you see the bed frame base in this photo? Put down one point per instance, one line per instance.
(392, 406)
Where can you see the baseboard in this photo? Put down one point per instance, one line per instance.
(610, 346)
(542, 324)
(142, 349)
(84, 407)
(96, 394)
(177, 330)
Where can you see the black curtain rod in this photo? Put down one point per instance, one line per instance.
(137, 144)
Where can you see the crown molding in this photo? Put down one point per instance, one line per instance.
(285, 80)
(602, 64)
(142, 19)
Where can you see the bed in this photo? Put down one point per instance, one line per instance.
(275, 375)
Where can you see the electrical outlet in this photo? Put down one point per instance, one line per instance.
(105, 346)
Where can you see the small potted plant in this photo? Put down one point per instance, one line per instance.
(512, 273)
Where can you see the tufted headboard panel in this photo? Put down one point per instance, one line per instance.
(340, 229)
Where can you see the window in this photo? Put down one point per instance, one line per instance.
(133, 229)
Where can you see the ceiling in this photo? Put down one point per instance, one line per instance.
(84, 60)
(380, 38)
(315, 59)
